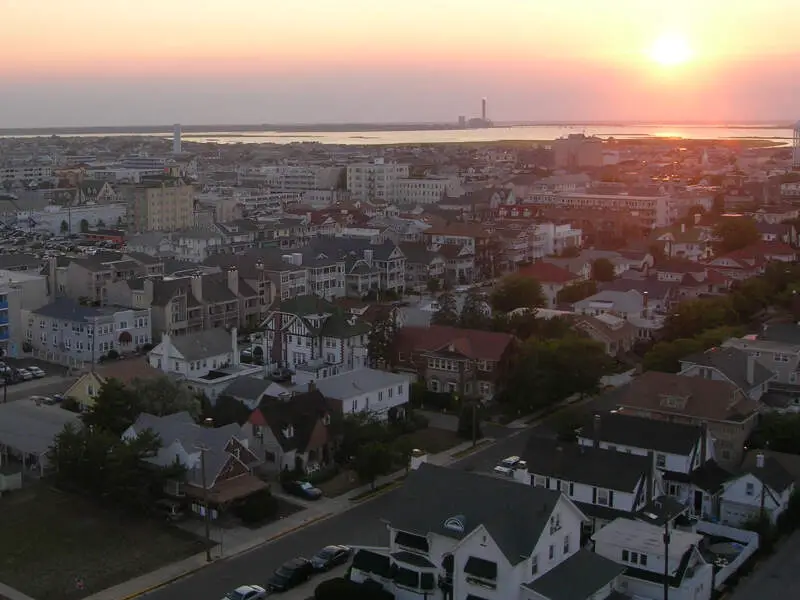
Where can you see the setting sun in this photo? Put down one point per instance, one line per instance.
(670, 50)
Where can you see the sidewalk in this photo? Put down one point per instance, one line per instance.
(9, 593)
(230, 544)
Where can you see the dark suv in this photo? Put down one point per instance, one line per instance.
(290, 574)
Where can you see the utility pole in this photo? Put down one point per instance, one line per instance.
(666, 560)
(206, 511)
(474, 424)
(94, 343)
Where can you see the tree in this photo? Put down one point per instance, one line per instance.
(666, 355)
(517, 291)
(570, 252)
(447, 313)
(257, 507)
(114, 410)
(433, 285)
(735, 233)
(474, 314)
(380, 342)
(84, 225)
(64, 227)
(575, 292)
(162, 396)
(359, 430)
(692, 317)
(373, 460)
(602, 270)
(656, 250)
(401, 452)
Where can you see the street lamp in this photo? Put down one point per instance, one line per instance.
(206, 511)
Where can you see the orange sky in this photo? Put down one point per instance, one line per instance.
(507, 47)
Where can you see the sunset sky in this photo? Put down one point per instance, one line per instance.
(134, 62)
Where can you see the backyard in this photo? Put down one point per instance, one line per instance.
(431, 439)
(59, 546)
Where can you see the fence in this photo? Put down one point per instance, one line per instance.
(748, 539)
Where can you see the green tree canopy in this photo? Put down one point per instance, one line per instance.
(517, 291)
(735, 233)
(575, 292)
(373, 460)
(602, 270)
(115, 409)
(474, 314)
(447, 313)
(162, 396)
(380, 342)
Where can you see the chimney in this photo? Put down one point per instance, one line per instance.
(235, 346)
(683, 227)
(208, 422)
(596, 430)
(368, 257)
(760, 460)
(650, 476)
(166, 350)
(197, 287)
(148, 292)
(703, 443)
(697, 217)
(751, 369)
(233, 281)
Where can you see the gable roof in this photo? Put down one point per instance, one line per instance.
(780, 470)
(577, 578)
(301, 411)
(546, 272)
(732, 363)
(202, 344)
(700, 398)
(359, 381)
(472, 343)
(639, 432)
(128, 370)
(580, 464)
(473, 500)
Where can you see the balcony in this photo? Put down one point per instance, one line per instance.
(3, 316)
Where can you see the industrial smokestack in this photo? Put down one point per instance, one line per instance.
(483, 109)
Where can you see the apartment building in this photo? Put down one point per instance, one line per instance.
(367, 265)
(87, 279)
(374, 181)
(475, 239)
(428, 190)
(183, 305)
(18, 291)
(193, 245)
(164, 204)
(578, 151)
(68, 333)
(647, 212)
(30, 173)
(293, 178)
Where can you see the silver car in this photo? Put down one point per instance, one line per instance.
(247, 592)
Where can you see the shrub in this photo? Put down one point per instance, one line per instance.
(147, 347)
(324, 475)
(112, 354)
(257, 507)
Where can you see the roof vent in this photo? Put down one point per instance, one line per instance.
(456, 523)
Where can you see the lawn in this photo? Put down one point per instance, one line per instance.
(431, 440)
(51, 539)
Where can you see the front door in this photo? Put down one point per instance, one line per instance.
(698, 503)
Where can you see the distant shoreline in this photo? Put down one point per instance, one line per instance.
(354, 127)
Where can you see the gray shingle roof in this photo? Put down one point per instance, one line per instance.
(474, 500)
(639, 432)
(26, 427)
(592, 466)
(247, 388)
(577, 578)
(360, 381)
(69, 310)
(732, 363)
(203, 344)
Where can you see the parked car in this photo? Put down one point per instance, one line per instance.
(247, 592)
(290, 574)
(36, 372)
(24, 375)
(506, 466)
(330, 557)
(39, 400)
(302, 489)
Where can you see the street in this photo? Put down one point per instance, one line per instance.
(52, 384)
(359, 526)
(776, 577)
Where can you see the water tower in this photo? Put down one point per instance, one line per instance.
(796, 146)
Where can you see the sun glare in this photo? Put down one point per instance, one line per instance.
(671, 50)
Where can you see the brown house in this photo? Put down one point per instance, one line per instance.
(730, 415)
(463, 361)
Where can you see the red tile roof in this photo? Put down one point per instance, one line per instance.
(546, 272)
(475, 344)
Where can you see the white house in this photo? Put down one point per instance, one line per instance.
(378, 393)
(602, 483)
(764, 489)
(207, 360)
(678, 450)
(457, 535)
(640, 548)
(730, 364)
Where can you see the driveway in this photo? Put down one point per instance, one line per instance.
(776, 577)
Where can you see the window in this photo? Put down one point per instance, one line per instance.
(634, 557)
(571, 489)
(380, 396)
(750, 489)
(602, 497)
(551, 551)
(566, 544)
(534, 564)
(391, 392)
(661, 461)
(778, 357)
(643, 560)
(355, 405)
(539, 481)
(123, 325)
(625, 556)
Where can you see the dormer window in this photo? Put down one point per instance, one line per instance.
(288, 432)
(326, 420)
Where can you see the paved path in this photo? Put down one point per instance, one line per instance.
(775, 578)
(357, 524)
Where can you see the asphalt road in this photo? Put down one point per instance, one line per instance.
(774, 579)
(36, 387)
(359, 526)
